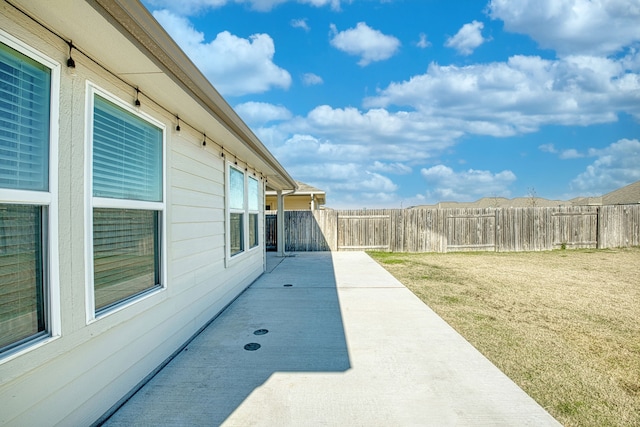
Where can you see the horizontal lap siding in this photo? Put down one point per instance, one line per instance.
(197, 249)
(197, 212)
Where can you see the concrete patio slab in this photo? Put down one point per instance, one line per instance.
(347, 344)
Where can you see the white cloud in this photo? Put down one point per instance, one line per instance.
(259, 113)
(345, 171)
(191, 7)
(396, 137)
(303, 151)
(310, 79)
(615, 166)
(365, 181)
(300, 23)
(187, 7)
(423, 43)
(341, 170)
(571, 153)
(520, 95)
(248, 63)
(447, 185)
(467, 38)
(394, 168)
(592, 27)
(547, 148)
(363, 41)
(347, 183)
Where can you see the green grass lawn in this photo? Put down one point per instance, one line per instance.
(564, 325)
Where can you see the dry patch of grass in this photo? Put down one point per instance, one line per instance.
(564, 325)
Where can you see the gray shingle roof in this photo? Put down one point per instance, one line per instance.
(627, 195)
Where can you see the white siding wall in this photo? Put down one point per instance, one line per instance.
(73, 379)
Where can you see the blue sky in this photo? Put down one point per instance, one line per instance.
(395, 103)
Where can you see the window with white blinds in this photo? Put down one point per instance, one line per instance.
(25, 90)
(25, 100)
(127, 155)
(127, 170)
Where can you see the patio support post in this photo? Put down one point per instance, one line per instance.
(280, 225)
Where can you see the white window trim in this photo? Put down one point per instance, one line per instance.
(253, 211)
(98, 202)
(48, 199)
(231, 259)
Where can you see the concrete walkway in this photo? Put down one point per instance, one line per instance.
(347, 345)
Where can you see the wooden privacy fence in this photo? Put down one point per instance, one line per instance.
(449, 230)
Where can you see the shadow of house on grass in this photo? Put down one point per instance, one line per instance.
(214, 374)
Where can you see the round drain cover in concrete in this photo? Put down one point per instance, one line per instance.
(252, 346)
(261, 332)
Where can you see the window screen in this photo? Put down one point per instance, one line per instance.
(236, 233)
(236, 189)
(22, 308)
(254, 201)
(253, 230)
(125, 254)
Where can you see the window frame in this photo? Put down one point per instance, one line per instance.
(251, 212)
(245, 211)
(48, 201)
(93, 202)
(230, 210)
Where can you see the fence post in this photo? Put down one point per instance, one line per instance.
(280, 227)
(598, 210)
(496, 225)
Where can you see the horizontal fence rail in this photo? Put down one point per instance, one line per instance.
(454, 230)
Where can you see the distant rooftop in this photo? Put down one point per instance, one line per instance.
(303, 188)
(304, 192)
(627, 195)
(307, 189)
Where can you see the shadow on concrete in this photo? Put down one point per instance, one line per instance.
(303, 232)
(296, 301)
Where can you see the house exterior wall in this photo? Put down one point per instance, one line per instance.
(88, 365)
